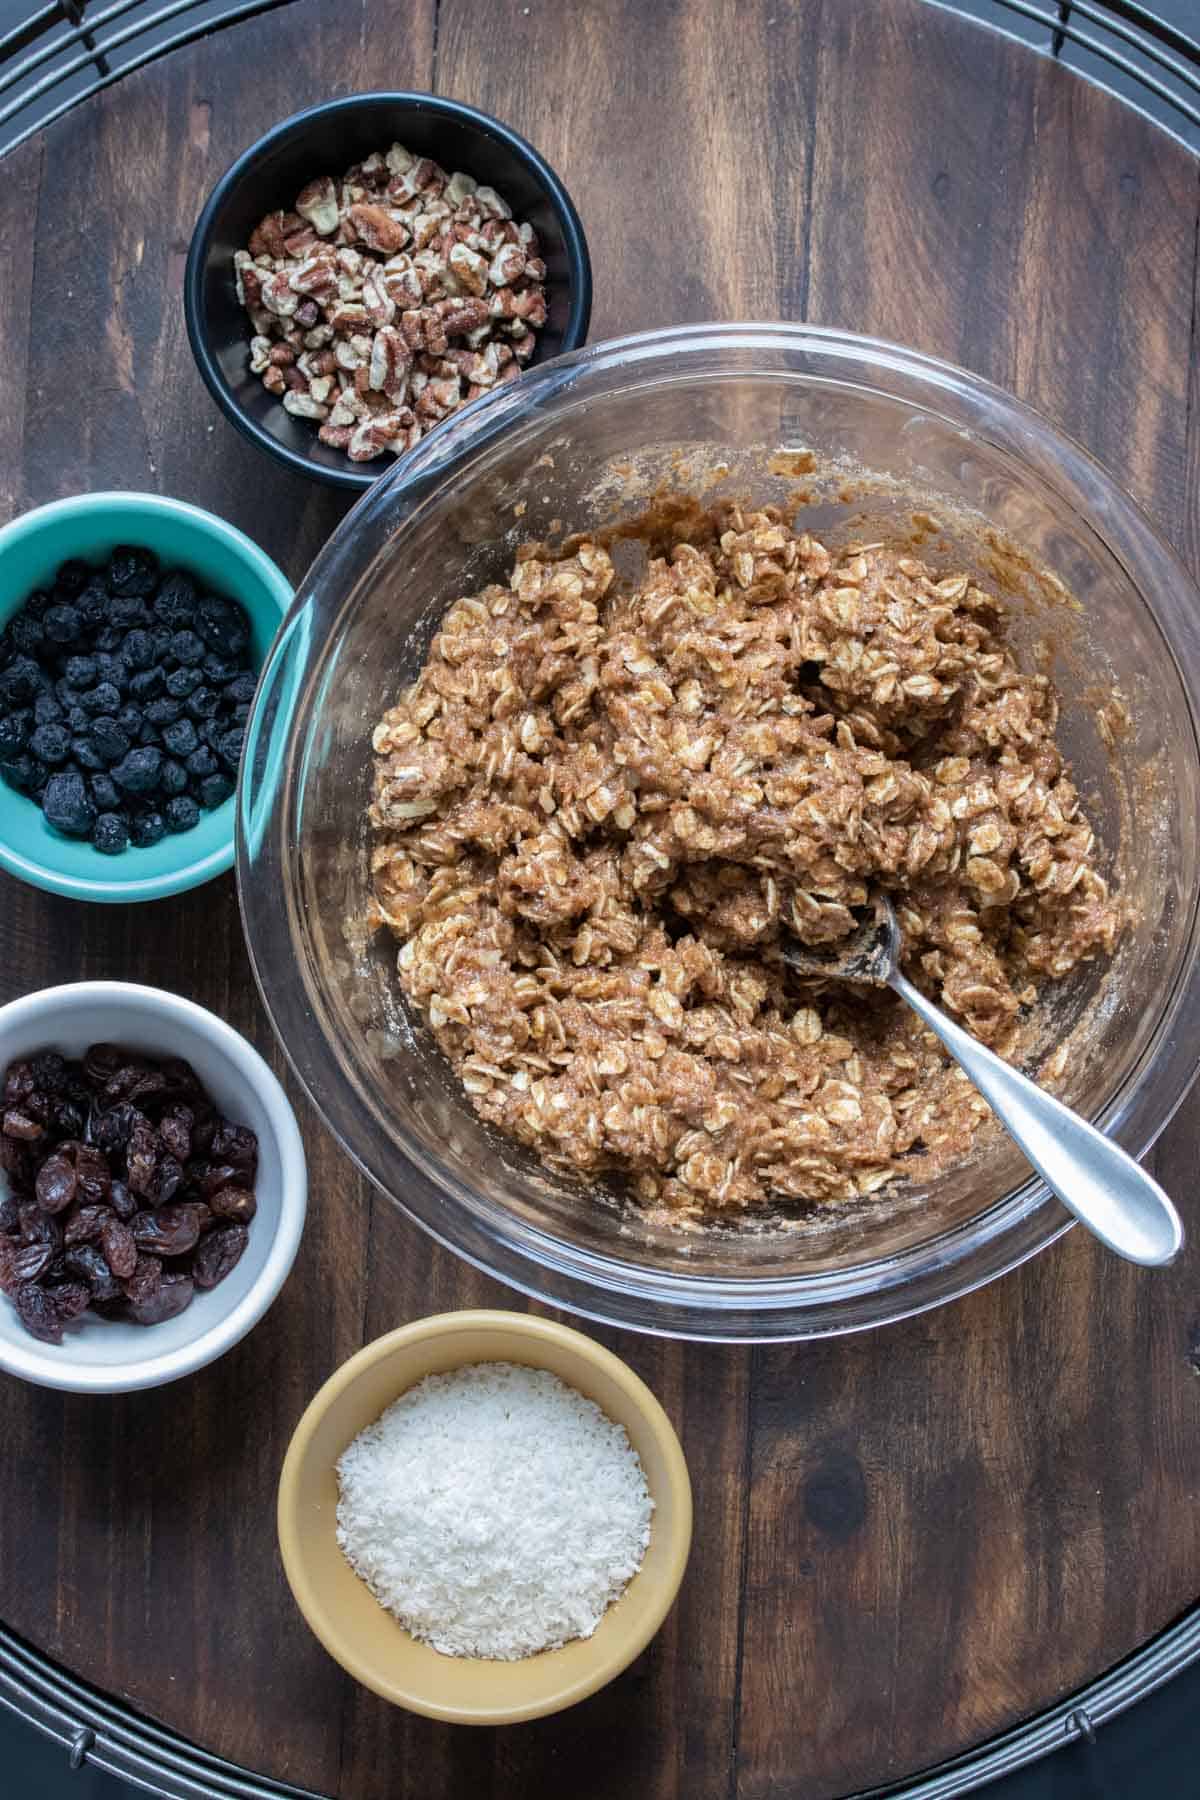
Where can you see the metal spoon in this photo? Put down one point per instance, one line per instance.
(1101, 1184)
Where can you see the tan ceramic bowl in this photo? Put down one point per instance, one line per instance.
(365, 1638)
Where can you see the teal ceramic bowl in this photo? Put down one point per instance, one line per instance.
(182, 537)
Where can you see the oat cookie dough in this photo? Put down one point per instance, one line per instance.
(600, 811)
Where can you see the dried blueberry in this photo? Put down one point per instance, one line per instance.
(62, 623)
(181, 814)
(110, 834)
(180, 738)
(111, 668)
(78, 720)
(20, 682)
(110, 741)
(240, 715)
(103, 698)
(68, 805)
(181, 682)
(132, 571)
(105, 792)
(229, 748)
(25, 634)
(147, 828)
(80, 672)
(51, 743)
(138, 649)
(85, 753)
(17, 772)
(240, 691)
(164, 712)
(147, 684)
(203, 703)
(46, 710)
(130, 719)
(72, 577)
(173, 779)
(138, 771)
(222, 624)
(175, 601)
(214, 790)
(125, 613)
(187, 649)
(220, 670)
(39, 775)
(150, 736)
(93, 604)
(14, 732)
(109, 638)
(202, 761)
(160, 642)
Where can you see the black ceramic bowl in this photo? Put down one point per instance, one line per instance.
(327, 139)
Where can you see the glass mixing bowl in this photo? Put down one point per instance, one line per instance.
(851, 435)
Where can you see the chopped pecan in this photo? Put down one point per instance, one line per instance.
(470, 268)
(390, 361)
(375, 227)
(377, 302)
(318, 203)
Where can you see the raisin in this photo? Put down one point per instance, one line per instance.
(10, 1216)
(237, 1146)
(141, 1161)
(92, 1175)
(143, 1279)
(111, 1128)
(38, 1227)
(122, 1201)
(55, 1183)
(17, 1162)
(170, 1176)
(87, 1263)
(215, 1176)
(219, 1254)
(175, 1130)
(70, 1299)
(23, 1262)
(19, 1083)
(234, 1203)
(38, 1313)
(84, 1225)
(119, 1247)
(19, 1125)
(172, 1295)
(171, 1231)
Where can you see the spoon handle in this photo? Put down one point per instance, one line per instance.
(1097, 1180)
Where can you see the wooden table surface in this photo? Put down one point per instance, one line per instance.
(906, 1541)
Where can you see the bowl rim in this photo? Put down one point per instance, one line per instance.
(44, 1367)
(349, 478)
(129, 889)
(595, 1284)
(536, 1331)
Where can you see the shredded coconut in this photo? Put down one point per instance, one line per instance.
(495, 1511)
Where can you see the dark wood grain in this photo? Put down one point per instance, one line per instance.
(906, 1541)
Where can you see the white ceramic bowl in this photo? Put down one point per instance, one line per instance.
(106, 1356)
